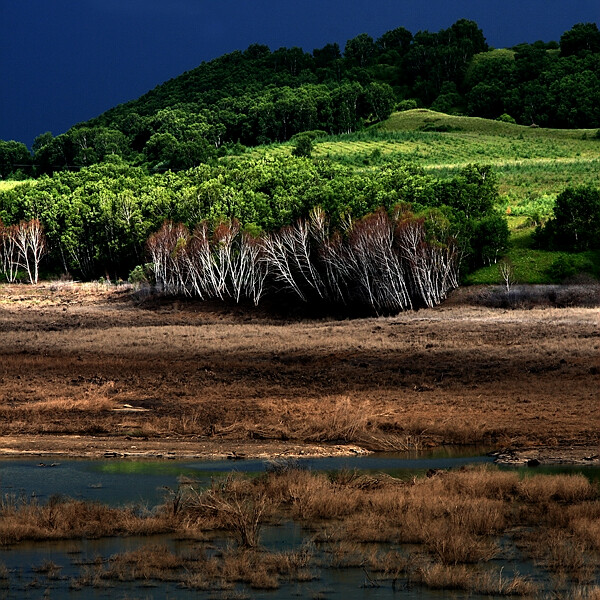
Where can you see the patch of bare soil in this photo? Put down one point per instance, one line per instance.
(571, 455)
(103, 364)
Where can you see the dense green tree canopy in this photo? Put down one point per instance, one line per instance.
(583, 37)
(15, 159)
(99, 218)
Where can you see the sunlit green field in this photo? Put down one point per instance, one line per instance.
(8, 185)
(533, 164)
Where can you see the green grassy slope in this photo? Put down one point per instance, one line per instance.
(418, 118)
(533, 166)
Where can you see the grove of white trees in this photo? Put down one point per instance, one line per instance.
(22, 248)
(388, 263)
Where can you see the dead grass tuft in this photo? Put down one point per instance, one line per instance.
(566, 489)
(151, 562)
(446, 577)
(580, 592)
(483, 482)
(453, 546)
(63, 518)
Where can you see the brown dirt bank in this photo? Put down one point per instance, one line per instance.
(176, 448)
(94, 362)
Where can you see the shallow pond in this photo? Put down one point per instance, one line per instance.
(119, 482)
(76, 557)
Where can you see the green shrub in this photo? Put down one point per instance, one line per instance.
(575, 225)
(490, 239)
(138, 275)
(506, 118)
(303, 147)
(313, 134)
(562, 268)
(567, 266)
(408, 104)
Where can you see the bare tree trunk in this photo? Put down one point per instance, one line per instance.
(257, 269)
(280, 262)
(167, 248)
(36, 245)
(9, 255)
(387, 263)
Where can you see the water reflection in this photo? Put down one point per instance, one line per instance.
(118, 482)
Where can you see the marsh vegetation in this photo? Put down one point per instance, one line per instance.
(472, 529)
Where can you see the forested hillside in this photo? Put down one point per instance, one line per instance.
(260, 96)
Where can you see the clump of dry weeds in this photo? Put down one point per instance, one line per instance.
(459, 577)
(64, 518)
(232, 505)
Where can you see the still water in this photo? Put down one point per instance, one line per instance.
(118, 482)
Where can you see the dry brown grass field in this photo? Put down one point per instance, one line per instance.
(89, 360)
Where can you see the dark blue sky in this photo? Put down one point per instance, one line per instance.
(65, 61)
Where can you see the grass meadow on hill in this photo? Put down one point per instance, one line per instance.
(419, 118)
(533, 164)
(530, 162)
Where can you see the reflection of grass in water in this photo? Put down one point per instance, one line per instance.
(589, 472)
(592, 473)
(174, 468)
(452, 452)
(120, 467)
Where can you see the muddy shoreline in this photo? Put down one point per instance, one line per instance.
(84, 447)
(168, 449)
(574, 455)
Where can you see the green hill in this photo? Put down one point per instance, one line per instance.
(533, 164)
(430, 120)
(259, 96)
